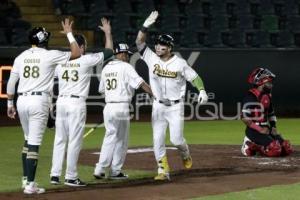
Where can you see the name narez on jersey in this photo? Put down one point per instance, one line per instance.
(164, 72)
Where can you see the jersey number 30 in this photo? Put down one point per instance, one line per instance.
(73, 75)
(111, 84)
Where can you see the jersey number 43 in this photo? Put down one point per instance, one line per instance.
(72, 75)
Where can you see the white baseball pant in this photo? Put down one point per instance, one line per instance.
(33, 111)
(115, 142)
(162, 116)
(70, 123)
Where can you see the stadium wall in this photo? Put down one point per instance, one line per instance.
(224, 72)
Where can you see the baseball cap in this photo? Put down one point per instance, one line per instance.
(122, 48)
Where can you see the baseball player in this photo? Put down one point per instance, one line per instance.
(74, 83)
(168, 75)
(259, 116)
(34, 68)
(118, 81)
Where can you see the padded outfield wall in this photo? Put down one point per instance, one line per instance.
(224, 72)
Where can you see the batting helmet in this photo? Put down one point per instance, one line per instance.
(38, 36)
(165, 39)
(259, 76)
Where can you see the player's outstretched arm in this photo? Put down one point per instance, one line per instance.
(141, 37)
(67, 30)
(106, 28)
(146, 88)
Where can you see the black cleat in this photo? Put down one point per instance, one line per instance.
(119, 176)
(100, 176)
(75, 183)
(54, 180)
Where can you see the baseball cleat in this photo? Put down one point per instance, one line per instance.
(54, 180)
(24, 181)
(100, 176)
(162, 177)
(75, 183)
(119, 176)
(188, 162)
(164, 165)
(32, 188)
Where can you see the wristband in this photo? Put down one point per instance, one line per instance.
(255, 127)
(144, 29)
(10, 103)
(71, 37)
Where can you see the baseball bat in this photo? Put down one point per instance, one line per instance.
(92, 129)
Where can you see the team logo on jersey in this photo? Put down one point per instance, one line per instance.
(164, 72)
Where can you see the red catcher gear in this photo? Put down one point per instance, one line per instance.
(287, 148)
(259, 76)
(253, 149)
(265, 100)
(273, 149)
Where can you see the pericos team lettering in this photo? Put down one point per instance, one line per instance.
(163, 72)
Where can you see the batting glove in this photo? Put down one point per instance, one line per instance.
(202, 97)
(151, 19)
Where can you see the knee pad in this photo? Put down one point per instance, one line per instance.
(287, 148)
(273, 149)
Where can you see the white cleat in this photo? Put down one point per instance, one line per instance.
(32, 188)
(24, 181)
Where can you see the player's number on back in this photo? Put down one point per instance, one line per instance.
(33, 72)
(73, 75)
(111, 84)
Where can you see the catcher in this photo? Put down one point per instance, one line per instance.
(259, 116)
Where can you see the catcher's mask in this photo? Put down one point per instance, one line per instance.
(39, 36)
(165, 39)
(260, 76)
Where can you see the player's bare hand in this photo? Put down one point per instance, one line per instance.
(150, 19)
(11, 112)
(67, 26)
(202, 97)
(106, 28)
(265, 130)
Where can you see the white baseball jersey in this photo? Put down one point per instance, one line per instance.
(118, 81)
(168, 79)
(35, 68)
(75, 75)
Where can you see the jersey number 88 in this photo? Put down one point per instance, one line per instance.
(33, 71)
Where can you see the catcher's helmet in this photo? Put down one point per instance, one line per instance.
(259, 76)
(38, 36)
(165, 39)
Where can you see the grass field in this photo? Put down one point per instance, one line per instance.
(208, 132)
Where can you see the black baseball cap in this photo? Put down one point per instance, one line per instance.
(122, 48)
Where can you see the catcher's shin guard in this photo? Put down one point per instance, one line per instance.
(273, 149)
(287, 148)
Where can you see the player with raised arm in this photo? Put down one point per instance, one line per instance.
(74, 83)
(168, 75)
(34, 68)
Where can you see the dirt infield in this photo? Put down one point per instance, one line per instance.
(216, 169)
